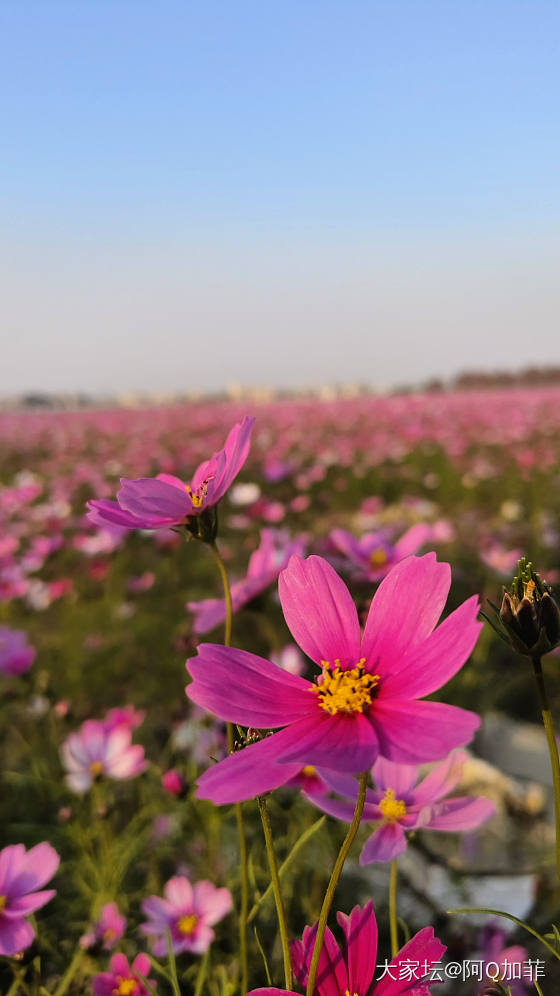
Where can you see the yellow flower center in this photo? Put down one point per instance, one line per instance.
(125, 987)
(309, 771)
(96, 769)
(378, 557)
(3, 903)
(348, 993)
(392, 808)
(109, 935)
(345, 691)
(197, 497)
(187, 924)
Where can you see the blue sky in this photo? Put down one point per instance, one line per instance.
(344, 179)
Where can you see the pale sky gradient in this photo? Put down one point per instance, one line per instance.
(283, 193)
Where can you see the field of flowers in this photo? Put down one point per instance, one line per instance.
(157, 841)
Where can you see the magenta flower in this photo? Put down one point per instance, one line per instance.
(107, 930)
(188, 912)
(264, 567)
(401, 803)
(373, 555)
(22, 873)
(165, 500)
(96, 751)
(124, 979)
(353, 970)
(365, 700)
(16, 656)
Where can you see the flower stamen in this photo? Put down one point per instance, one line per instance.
(349, 690)
(197, 497)
(391, 807)
(186, 924)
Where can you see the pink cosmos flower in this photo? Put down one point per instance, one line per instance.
(123, 979)
(107, 930)
(373, 555)
(264, 567)
(16, 656)
(22, 873)
(353, 970)
(165, 500)
(188, 912)
(95, 751)
(401, 803)
(365, 700)
(499, 960)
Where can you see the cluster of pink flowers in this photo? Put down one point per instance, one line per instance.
(364, 706)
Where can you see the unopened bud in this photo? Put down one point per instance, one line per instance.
(529, 615)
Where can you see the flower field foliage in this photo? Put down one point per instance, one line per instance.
(311, 574)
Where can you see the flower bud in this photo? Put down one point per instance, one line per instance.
(529, 615)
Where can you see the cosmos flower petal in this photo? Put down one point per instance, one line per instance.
(386, 843)
(249, 772)
(401, 778)
(342, 742)
(441, 780)
(417, 732)
(461, 813)
(37, 867)
(179, 891)
(404, 611)
(423, 947)
(102, 511)
(212, 902)
(360, 931)
(25, 905)
(319, 610)
(154, 499)
(341, 809)
(242, 688)
(15, 936)
(412, 540)
(439, 657)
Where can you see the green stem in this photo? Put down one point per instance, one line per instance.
(244, 905)
(275, 881)
(331, 888)
(514, 919)
(66, 979)
(393, 908)
(201, 976)
(227, 592)
(300, 842)
(552, 749)
(172, 966)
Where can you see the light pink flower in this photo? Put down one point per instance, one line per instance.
(95, 751)
(373, 555)
(22, 873)
(107, 930)
(188, 912)
(400, 803)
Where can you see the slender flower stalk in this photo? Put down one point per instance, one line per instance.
(552, 748)
(393, 908)
(172, 966)
(243, 858)
(334, 880)
(227, 592)
(284, 937)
